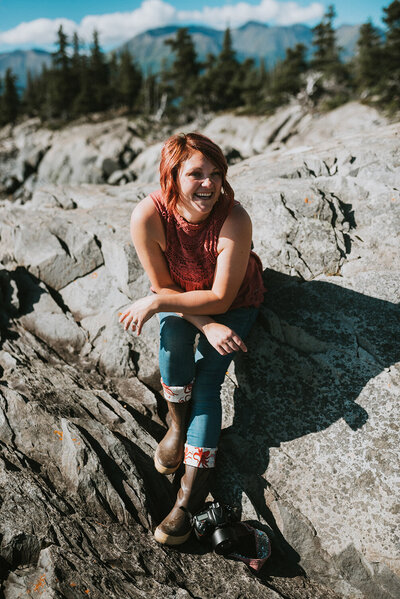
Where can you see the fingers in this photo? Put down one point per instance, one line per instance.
(235, 343)
(232, 344)
(241, 344)
(128, 320)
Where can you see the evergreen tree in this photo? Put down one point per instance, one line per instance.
(287, 77)
(44, 85)
(59, 90)
(224, 78)
(100, 92)
(149, 97)
(77, 67)
(10, 104)
(180, 80)
(82, 99)
(326, 55)
(1, 102)
(334, 85)
(368, 61)
(392, 54)
(252, 86)
(128, 80)
(32, 96)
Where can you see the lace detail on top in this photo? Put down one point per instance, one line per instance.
(191, 252)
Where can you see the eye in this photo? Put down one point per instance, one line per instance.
(216, 175)
(196, 175)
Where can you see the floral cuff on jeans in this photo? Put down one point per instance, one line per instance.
(201, 457)
(177, 394)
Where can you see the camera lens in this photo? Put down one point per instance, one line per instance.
(224, 540)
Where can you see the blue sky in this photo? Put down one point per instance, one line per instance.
(26, 24)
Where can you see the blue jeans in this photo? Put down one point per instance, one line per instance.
(180, 365)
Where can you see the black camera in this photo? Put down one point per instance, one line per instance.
(216, 523)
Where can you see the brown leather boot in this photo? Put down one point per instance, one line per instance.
(169, 453)
(176, 527)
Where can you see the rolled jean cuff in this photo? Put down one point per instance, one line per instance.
(177, 394)
(201, 457)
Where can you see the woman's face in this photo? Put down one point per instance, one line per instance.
(200, 184)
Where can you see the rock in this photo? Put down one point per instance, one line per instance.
(345, 122)
(85, 153)
(42, 316)
(252, 135)
(21, 149)
(82, 153)
(52, 248)
(145, 166)
(310, 442)
(121, 177)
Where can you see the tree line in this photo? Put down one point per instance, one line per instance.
(79, 83)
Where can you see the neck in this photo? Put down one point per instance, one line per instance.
(190, 218)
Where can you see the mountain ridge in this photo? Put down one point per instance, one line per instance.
(252, 40)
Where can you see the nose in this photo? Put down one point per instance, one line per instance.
(207, 182)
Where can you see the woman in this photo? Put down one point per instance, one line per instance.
(194, 242)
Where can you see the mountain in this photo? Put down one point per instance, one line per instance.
(269, 43)
(22, 61)
(149, 49)
(254, 40)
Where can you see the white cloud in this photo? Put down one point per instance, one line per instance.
(36, 33)
(118, 27)
(115, 28)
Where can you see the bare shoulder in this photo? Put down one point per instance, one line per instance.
(146, 224)
(237, 221)
(144, 212)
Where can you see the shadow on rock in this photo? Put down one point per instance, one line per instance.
(299, 434)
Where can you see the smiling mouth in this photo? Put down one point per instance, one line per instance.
(204, 196)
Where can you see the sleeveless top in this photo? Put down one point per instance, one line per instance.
(191, 252)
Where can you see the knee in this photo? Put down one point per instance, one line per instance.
(175, 332)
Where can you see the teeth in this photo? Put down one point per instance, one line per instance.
(204, 195)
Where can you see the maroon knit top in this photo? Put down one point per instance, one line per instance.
(191, 252)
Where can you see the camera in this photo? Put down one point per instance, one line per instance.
(217, 524)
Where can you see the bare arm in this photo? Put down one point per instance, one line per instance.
(196, 306)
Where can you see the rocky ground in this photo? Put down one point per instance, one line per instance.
(309, 449)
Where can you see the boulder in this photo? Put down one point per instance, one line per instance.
(309, 446)
(92, 152)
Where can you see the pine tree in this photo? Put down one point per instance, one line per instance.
(149, 97)
(59, 91)
(334, 85)
(128, 80)
(224, 78)
(180, 80)
(31, 97)
(326, 55)
(368, 60)
(391, 54)
(287, 77)
(82, 100)
(100, 92)
(77, 63)
(10, 103)
(252, 84)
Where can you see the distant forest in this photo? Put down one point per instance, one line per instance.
(79, 83)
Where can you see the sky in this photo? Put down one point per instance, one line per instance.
(25, 24)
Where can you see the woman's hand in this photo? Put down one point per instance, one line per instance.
(223, 339)
(138, 313)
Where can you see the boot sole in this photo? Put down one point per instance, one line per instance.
(164, 469)
(164, 539)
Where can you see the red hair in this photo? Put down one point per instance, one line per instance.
(179, 148)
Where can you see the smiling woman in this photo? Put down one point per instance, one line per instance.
(194, 242)
(200, 186)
